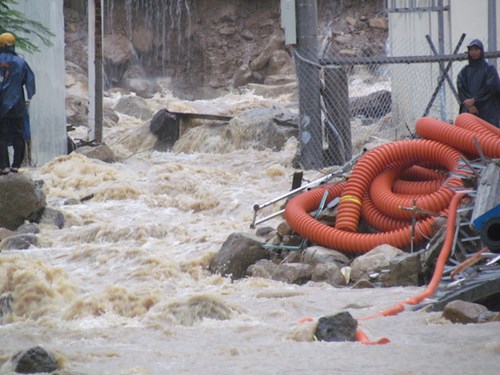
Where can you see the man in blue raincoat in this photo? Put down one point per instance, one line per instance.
(479, 86)
(15, 76)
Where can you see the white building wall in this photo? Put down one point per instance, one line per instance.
(407, 33)
(47, 109)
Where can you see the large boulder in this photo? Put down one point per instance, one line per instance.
(21, 198)
(165, 126)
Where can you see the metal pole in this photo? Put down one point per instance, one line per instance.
(91, 70)
(98, 72)
(442, 95)
(310, 130)
(492, 28)
(95, 79)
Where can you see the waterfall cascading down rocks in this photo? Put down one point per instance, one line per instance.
(157, 29)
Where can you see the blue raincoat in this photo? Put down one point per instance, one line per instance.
(480, 80)
(14, 74)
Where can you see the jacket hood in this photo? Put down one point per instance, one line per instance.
(476, 43)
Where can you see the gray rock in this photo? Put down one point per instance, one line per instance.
(165, 126)
(405, 270)
(6, 300)
(314, 255)
(19, 242)
(293, 273)
(237, 253)
(292, 240)
(134, 106)
(4, 233)
(374, 261)
(284, 229)
(488, 316)
(363, 284)
(329, 273)
(52, 216)
(338, 327)
(21, 198)
(100, 152)
(274, 43)
(463, 312)
(374, 105)
(266, 232)
(28, 228)
(263, 268)
(34, 360)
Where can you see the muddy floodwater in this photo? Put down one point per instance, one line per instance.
(123, 287)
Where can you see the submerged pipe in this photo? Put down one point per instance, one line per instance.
(440, 263)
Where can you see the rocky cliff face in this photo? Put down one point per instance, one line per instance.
(205, 47)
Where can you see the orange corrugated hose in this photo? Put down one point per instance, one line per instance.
(440, 264)
(373, 162)
(297, 215)
(352, 192)
(385, 165)
(466, 135)
(475, 124)
(383, 206)
(460, 137)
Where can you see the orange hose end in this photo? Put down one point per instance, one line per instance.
(363, 338)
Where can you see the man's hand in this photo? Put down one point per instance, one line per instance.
(474, 110)
(468, 103)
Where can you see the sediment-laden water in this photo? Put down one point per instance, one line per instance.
(123, 287)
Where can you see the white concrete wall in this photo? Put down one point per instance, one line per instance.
(47, 110)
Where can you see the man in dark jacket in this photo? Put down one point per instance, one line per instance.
(15, 76)
(479, 86)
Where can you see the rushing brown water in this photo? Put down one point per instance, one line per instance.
(123, 287)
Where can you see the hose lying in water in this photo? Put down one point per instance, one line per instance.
(436, 277)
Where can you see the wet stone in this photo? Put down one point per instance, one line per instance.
(463, 312)
(237, 253)
(266, 232)
(338, 327)
(293, 273)
(19, 242)
(34, 360)
(28, 228)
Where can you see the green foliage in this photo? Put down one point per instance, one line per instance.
(15, 22)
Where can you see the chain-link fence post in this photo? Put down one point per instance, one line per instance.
(308, 73)
(338, 117)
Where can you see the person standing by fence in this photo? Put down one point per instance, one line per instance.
(15, 75)
(479, 86)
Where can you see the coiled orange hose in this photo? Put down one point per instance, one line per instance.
(369, 190)
(459, 136)
(377, 172)
(353, 191)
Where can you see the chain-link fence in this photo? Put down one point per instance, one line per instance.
(345, 100)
